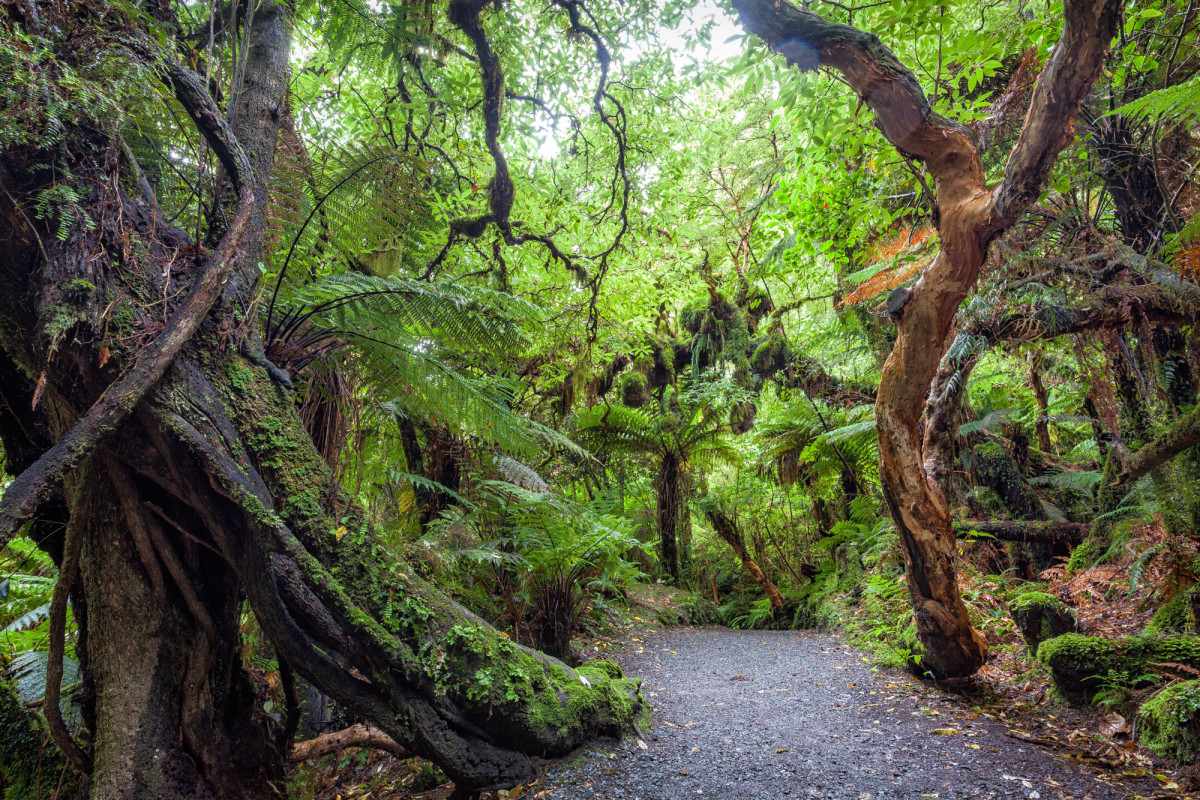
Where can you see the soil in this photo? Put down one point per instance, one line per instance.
(795, 714)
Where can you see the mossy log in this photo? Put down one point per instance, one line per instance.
(1169, 723)
(1041, 532)
(1080, 665)
(1041, 616)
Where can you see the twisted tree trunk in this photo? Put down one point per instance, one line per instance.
(969, 216)
(189, 484)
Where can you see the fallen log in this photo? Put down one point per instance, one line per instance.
(1040, 532)
(357, 735)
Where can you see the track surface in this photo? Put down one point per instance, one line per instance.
(743, 715)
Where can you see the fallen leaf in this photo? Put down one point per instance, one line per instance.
(1114, 725)
(944, 731)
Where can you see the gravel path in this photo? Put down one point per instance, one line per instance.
(792, 714)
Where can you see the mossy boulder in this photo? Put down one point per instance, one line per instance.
(1081, 665)
(1178, 615)
(1169, 723)
(1041, 616)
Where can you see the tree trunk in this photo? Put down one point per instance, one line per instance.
(1042, 398)
(198, 487)
(969, 215)
(727, 529)
(175, 713)
(667, 487)
(944, 412)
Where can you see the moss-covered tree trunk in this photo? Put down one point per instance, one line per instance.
(667, 487)
(196, 488)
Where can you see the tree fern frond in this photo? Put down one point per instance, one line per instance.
(1175, 105)
(989, 422)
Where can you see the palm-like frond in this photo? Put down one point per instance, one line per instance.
(1175, 105)
(353, 209)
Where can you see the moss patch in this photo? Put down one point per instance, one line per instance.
(1169, 723)
(1179, 615)
(1040, 617)
(1081, 665)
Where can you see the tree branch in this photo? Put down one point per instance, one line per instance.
(357, 735)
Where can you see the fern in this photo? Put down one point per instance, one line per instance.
(988, 423)
(1081, 481)
(1175, 105)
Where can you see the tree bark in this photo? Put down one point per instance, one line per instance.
(969, 216)
(944, 412)
(727, 529)
(357, 735)
(667, 488)
(1042, 398)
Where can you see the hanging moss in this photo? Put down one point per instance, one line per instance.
(644, 364)
(741, 417)
(1081, 665)
(1169, 723)
(633, 389)
(691, 316)
(1041, 616)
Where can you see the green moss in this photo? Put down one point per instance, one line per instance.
(644, 364)
(429, 640)
(691, 316)
(769, 355)
(1179, 615)
(28, 759)
(700, 610)
(633, 389)
(1081, 665)
(1041, 617)
(849, 567)
(1169, 723)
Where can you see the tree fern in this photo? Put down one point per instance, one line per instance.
(1174, 105)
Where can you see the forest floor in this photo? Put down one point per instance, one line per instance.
(797, 714)
(780, 714)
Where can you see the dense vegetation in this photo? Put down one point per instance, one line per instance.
(370, 351)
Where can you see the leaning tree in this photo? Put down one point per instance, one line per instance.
(969, 215)
(158, 454)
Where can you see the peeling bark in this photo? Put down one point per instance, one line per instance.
(969, 217)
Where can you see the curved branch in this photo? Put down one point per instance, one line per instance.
(1088, 29)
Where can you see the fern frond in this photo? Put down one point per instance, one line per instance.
(1174, 105)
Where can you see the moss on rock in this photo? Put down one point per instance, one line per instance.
(1169, 723)
(1041, 616)
(1080, 665)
